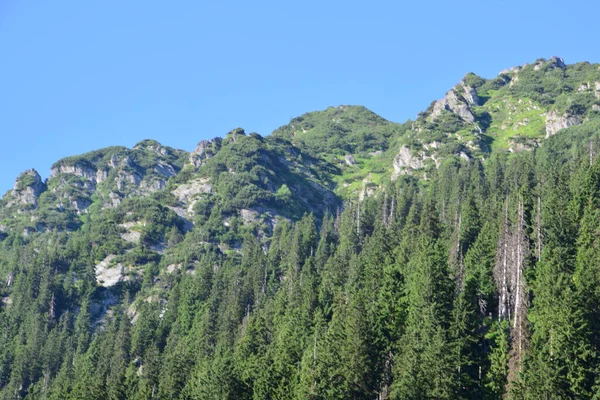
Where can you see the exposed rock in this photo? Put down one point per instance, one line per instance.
(584, 87)
(77, 170)
(27, 189)
(152, 146)
(511, 70)
(553, 62)
(101, 175)
(114, 161)
(81, 204)
(234, 135)
(597, 89)
(596, 107)
(557, 62)
(172, 268)
(520, 146)
(124, 179)
(556, 122)
(165, 169)
(249, 216)
(470, 95)
(183, 214)
(187, 191)
(113, 200)
(433, 145)
(132, 236)
(349, 158)
(464, 156)
(152, 186)
(205, 150)
(405, 162)
(368, 189)
(375, 153)
(107, 275)
(456, 103)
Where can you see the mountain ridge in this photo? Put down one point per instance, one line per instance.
(342, 256)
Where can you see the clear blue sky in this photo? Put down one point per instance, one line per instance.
(79, 75)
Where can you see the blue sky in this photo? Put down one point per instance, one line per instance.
(80, 75)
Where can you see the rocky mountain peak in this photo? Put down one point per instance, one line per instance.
(205, 150)
(28, 187)
(459, 101)
(152, 146)
(234, 135)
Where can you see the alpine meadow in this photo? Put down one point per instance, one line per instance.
(343, 256)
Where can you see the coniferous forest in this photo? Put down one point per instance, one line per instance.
(343, 256)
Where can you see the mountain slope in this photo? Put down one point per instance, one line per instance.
(343, 256)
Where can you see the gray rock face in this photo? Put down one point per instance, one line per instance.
(77, 170)
(152, 146)
(249, 216)
(188, 190)
(188, 193)
(511, 70)
(204, 151)
(405, 162)
(553, 62)
(457, 103)
(470, 95)
(27, 189)
(108, 275)
(557, 62)
(349, 159)
(556, 122)
(125, 179)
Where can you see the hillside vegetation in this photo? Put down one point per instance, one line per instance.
(343, 256)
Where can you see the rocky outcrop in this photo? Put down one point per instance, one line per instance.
(205, 150)
(234, 135)
(458, 101)
(511, 70)
(27, 189)
(553, 62)
(183, 215)
(187, 191)
(405, 162)
(108, 275)
(132, 235)
(520, 145)
(78, 170)
(470, 94)
(152, 186)
(555, 122)
(152, 146)
(349, 159)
